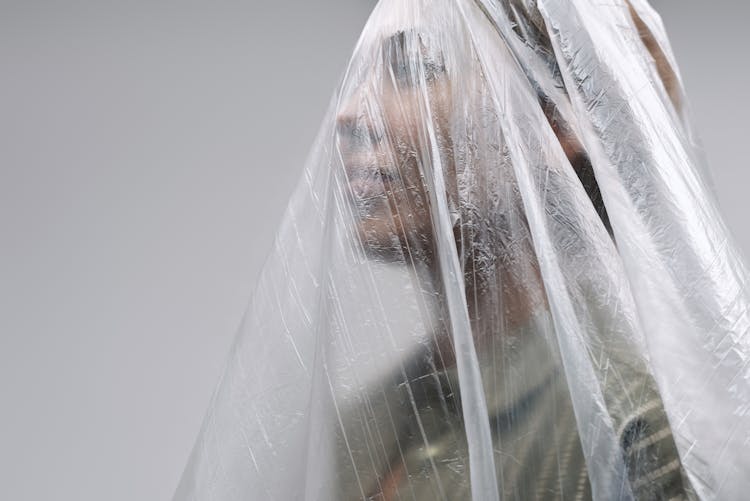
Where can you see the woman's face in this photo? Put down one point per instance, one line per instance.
(382, 133)
(384, 126)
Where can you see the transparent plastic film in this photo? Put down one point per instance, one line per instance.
(502, 275)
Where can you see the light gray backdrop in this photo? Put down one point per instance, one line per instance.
(147, 150)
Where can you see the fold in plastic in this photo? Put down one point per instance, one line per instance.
(502, 275)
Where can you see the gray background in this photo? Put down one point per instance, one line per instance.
(147, 150)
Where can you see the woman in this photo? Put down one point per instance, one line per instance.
(501, 276)
(403, 437)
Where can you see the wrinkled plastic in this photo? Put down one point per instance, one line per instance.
(502, 276)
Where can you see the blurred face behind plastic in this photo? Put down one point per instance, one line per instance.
(385, 126)
(405, 113)
(381, 135)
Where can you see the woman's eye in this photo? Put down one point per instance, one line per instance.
(387, 175)
(367, 135)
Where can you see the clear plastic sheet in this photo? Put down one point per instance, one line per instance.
(502, 276)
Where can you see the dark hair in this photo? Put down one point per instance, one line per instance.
(406, 53)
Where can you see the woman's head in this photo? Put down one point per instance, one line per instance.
(408, 110)
(404, 108)
(382, 127)
(422, 96)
